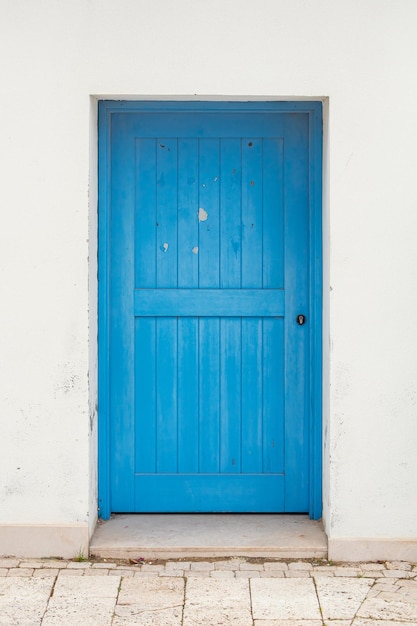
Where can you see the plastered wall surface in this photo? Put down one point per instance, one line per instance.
(58, 57)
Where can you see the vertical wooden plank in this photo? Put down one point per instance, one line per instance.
(166, 195)
(273, 396)
(209, 214)
(209, 395)
(188, 244)
(188, 258)
(296, 194)
(209, 328)
(166, 395)
(230, 328)
(145, 328)
(145, 395)
(252, 212)
(273, 227)
(145, 213)
(121, 316)
(252, 396)
(230, 213)
(166, 328)
(188, 395)
(230, 395)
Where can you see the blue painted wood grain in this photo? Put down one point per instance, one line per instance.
(210, 230)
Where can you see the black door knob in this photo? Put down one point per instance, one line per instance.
(301, 319)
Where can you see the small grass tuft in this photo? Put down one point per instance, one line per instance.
(79, 556)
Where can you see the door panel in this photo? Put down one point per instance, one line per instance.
(209, 265)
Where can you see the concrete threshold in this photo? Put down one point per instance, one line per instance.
(177, 536)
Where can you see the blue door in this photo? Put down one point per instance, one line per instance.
(207, 210)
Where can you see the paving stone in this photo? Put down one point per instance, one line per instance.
(324, 568)
(121, 572)
(96, 572)
(82, 600)
(217, 603)
(146, 574)
(272, 574)
(297, 574)
(289, 622)
(79, 565)
(20, 572)
(173, 565)
(407, 584)
(4, 572)
(196, 574)
(385, 585)
(277, 565)
(95, 611)
(149, 567)
(401, 593)
(45, 572)
(341, 598)
(23, 600)
(372, 566)
(222, 574)
(8, 563)
(401, 565)
(227, 565)
(71, 572)
(125, 568)
(202, 565)
(321, 574)
(91, 587)
(300, 622)
(347, 571)
(55, 564)
(135, 616)
(284, 598)
(104, 565)
(251, 574)
(31, 564)
(370, 622)
(172, 574)
(397, 573)
(251, 566)
(380, 609)
(301, 565)
(151, 593)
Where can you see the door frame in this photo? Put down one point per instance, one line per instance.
(106, 108)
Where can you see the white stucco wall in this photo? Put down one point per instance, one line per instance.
(360, 57)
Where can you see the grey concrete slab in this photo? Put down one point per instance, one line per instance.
(382, 609)
(214, 602)
(152, 593)
(377, 622)
(284, 598)
(150, 602)
(178, 536)
(80, 612)
(340, 598)
(78, 601)
(23, 600)
(133, 615)
(299, 622)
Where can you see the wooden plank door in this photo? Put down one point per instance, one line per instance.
(208, 270)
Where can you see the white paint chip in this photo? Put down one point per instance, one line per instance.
(202, 215)
(165, 247)
(195, 250)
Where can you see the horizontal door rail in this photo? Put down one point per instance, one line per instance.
(209, 302)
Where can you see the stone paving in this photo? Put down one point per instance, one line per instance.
(235, 592)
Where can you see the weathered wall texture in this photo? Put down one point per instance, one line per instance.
(361, 57)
